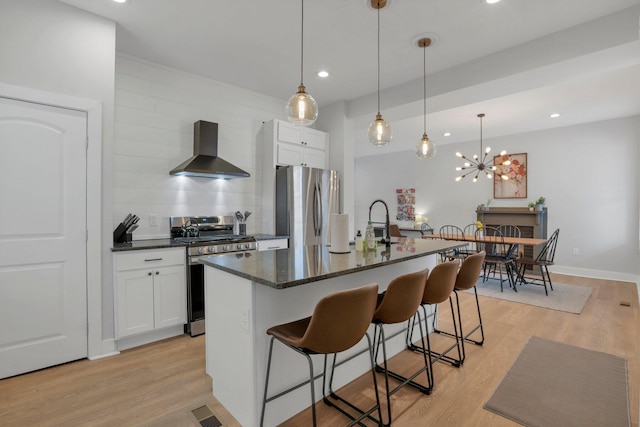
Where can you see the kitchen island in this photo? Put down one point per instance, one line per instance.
(246, 293)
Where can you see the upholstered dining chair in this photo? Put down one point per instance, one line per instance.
(543, 261)
(339, 322)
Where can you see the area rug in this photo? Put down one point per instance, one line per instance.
(555, 384)
(564, 297)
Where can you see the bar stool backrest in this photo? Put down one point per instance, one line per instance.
(440, 282)
(340, 320)
(470, 271)
(402, 298)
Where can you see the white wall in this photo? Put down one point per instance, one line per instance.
(52, 47)
(155, 111)
(588, 174)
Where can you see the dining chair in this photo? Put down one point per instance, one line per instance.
(543, 260)
(495, 255)
(470, 230)
(456, 233)
(339, 322)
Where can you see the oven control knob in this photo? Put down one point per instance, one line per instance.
(240, 246)
(227, 247)
(202, 250)
(212, 249)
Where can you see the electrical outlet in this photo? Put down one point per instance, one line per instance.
(245, 320)
(153, 220)
(575, 252)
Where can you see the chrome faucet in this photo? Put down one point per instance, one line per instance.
(387, 224)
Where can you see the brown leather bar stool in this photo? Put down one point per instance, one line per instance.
(339, 322)
(466, 279)
(398, 304)
(438, 289)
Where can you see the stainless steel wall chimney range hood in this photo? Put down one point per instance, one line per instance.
(205, 161)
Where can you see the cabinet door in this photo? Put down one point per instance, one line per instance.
(314, 139)
(134, 302)
(288, 132)
(170, 296)
(313, 158)
(290, 154)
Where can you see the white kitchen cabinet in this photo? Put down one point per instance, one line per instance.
(150, 290)
(273, 244)
(299, 145)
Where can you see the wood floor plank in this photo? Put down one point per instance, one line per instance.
(160, 383)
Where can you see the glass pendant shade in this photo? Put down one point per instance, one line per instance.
(425, 149)
(302, 109)
(380, 132)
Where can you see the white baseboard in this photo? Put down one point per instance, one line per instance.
(146, 338)
(108, 349)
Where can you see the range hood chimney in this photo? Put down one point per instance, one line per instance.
(205, 161)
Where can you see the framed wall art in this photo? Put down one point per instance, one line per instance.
(406, 198)
(516, 186)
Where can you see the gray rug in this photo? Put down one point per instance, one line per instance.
(554, 384)
(564, 297)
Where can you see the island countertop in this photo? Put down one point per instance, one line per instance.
(285, 268)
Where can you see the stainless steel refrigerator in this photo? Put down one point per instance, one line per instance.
(305, 199)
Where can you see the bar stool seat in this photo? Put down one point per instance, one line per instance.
(339, 322)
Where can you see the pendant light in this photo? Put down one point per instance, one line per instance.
(476, 165)
(379, 131)
(302, 109)
(425, 149)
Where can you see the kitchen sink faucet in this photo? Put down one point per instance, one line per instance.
(387, 224)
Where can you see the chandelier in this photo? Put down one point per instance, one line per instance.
(478, 166)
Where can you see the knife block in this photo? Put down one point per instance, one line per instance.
(120, 234)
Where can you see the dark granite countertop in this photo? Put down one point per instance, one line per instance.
(285, 268)
(147, 244)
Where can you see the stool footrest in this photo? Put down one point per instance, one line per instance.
(405, 380)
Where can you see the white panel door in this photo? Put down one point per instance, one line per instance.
(43, 283)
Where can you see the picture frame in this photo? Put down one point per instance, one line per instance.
(518, 170)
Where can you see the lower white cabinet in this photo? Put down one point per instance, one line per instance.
(271, 245)
(150, 290)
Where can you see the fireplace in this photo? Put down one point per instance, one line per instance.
(531, 223)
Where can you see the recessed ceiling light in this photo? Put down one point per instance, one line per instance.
(323, 74)
(447, 134)
(554, 115)
(491, 1)
(120, 1)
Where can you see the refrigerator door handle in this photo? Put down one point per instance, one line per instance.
(317, 210)
(320, 211)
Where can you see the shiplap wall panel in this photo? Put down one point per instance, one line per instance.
(155, 110)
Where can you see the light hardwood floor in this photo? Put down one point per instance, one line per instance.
(159, 384)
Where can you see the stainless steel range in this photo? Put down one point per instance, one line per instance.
(205, 236)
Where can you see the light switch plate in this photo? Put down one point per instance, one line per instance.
(153, 220)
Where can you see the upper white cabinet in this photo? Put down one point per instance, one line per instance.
(150, 290)
(299, 145)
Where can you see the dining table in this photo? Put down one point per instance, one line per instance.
(513, 243)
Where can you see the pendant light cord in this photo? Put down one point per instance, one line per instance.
(302, 45)
(481, 136)
(378, 57)
(424, 73)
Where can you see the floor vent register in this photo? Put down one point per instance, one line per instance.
(205, 417)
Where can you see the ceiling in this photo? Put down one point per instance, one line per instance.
(517, 61)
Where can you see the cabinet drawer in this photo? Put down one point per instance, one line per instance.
(152, 258)
(270, 245)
